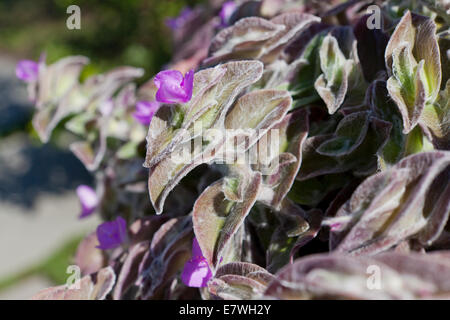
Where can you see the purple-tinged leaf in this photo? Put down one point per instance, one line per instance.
(244, 39)
(239, 280)
(54, 84)
(169, 250)
(166, 173)
(291, 133)
(391, 206)
(295, 23)
(85, 288)
(216, 219)
(347, 137)
(361, 159)
(88, 257)
(332, 84)
(332, 276)
(371, 44)
(436, 117)
(257, 38)
(413, 61)
(129, 269)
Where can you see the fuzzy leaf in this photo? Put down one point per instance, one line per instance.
(436, 116)
(360, 158)
(169, 249)
(244, 37)
(294, 24)
(89, 289)
(239, 280)
(413, 60)
(391, 206)
(290, 133)
(332, 276)
(88, 257)
(55, 82)
(88, 95)
(379, 100)
(347, 137)
(371, 44)
(217, 219)
(258, 38)
(332, 84)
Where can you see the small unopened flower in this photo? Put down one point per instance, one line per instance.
(172, 87)
(112, 234)
(27, 70)
(88, 200)
(196, 272)
(180, 21)
(145, 111)
(226, 12)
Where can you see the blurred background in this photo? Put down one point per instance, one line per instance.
(39, 228)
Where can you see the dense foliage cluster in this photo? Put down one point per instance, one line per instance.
(359, 176)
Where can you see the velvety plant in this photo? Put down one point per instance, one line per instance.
(339, 137)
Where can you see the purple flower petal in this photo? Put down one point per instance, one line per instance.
(196, 251)
(145, 111)
(168, 76)
(112, 234)
(188, 84)
(172, 87)
(172, 23)
(196, 273)
(27, 70)
(226, 12)
(180, 21)
(88, 200)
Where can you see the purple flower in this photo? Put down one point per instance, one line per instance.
(196, 272)
(226, 12)
(179, 22)
(27, 70)
(172, 87)
(145, 111)
(88, 200)
(112, 234)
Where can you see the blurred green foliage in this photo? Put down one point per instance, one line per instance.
(113, 32)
